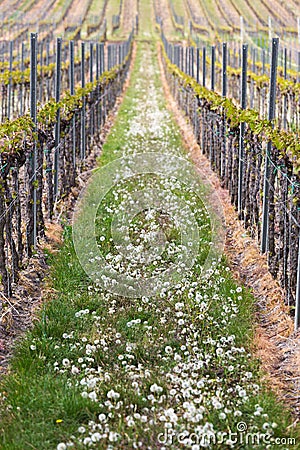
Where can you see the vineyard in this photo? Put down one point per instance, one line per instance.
(149, 224)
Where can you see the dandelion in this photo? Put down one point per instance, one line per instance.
(216, 403)
(96, 437)
(156, 389)
(93, 396)
(113, 436)
(113, 395)
(61, 446)
(219, 351)
(242, 393)
(179, 306)
(102, 417)
(75, 370)
(130, 421)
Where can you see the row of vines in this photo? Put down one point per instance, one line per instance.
(257, 159)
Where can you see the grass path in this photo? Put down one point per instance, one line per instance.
(170, 370)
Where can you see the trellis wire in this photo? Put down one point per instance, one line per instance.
(245, 176)
(287, 101)
(28, 176)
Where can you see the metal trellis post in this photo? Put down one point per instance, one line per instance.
(72, 92)
(10, 79)
(82, 147)
(242, 125)
(271, 115)
(33, 114)
(57, 124)
(213, 62)
(203, 66)
(297, 300)
(198, 64)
